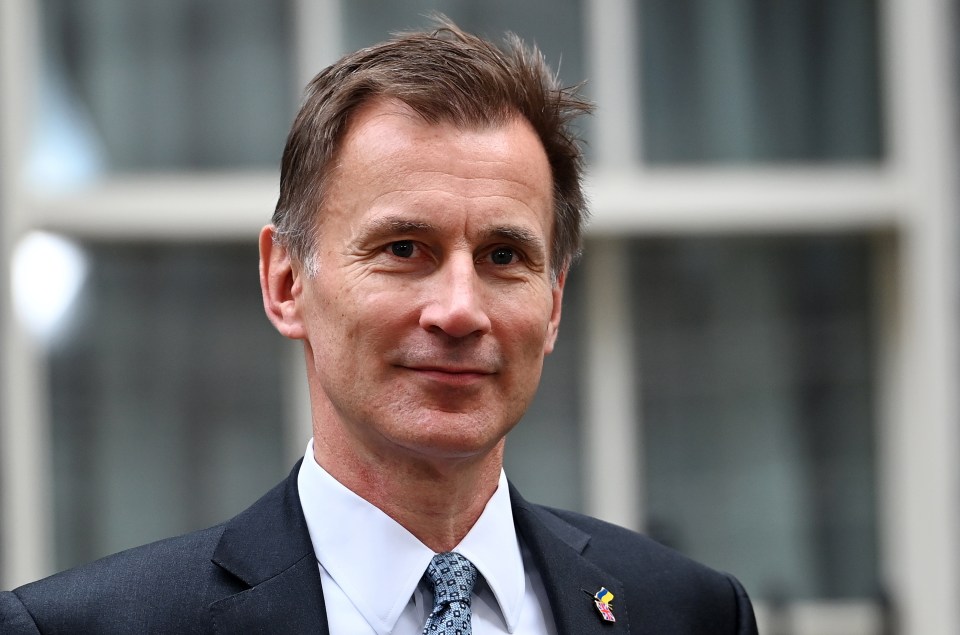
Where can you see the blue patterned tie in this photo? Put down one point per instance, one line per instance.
(452, 577)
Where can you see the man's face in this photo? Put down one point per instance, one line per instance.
(431, 305)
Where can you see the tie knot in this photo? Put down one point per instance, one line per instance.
(452, 576)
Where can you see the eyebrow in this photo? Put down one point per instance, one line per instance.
(391, 225)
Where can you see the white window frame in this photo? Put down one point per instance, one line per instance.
(912, 199)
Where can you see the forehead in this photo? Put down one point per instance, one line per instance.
(389, 153)
(389, 138)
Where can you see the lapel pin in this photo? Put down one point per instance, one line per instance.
(602, 599)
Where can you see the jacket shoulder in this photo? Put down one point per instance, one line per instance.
(673, 585)
(128, 591)
(169, 586)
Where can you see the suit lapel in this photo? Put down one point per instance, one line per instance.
(268, 549)
(569, 578)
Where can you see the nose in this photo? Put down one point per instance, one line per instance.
(455, 300)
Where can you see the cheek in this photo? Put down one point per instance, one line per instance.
(334, 326)
(526, 332)
(341, 309)
(376, 320)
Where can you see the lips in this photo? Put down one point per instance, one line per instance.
(450, 376)
(452, 370)
(449, 361)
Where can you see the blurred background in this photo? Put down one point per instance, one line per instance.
(757, 364)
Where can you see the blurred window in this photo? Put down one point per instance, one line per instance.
(758, 81)
(756, 364)
(171, 85)
(166, 399)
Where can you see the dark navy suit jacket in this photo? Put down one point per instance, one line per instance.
(257, 573)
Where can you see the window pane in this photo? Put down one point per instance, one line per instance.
(178, 84)
(543, 455)
(752, 80)
(758, 423)
(166, 396)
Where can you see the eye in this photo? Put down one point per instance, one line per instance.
(502, 256)
(402, 248)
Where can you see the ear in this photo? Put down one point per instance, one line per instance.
(281, 286)
(553, 327)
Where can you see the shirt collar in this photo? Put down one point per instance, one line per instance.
(378, 563)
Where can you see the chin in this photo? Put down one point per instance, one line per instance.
(455, 440)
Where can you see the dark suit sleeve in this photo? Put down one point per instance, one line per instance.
(14, 617)
(746, 621)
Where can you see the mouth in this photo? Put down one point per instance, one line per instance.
(451, 375)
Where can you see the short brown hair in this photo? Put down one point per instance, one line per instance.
(445, 75)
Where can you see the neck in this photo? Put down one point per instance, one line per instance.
(438, 500)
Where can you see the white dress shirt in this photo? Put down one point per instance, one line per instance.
(372, 568)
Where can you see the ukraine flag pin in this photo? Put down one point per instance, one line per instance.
(602, 599)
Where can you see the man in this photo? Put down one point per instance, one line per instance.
(429, 211)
